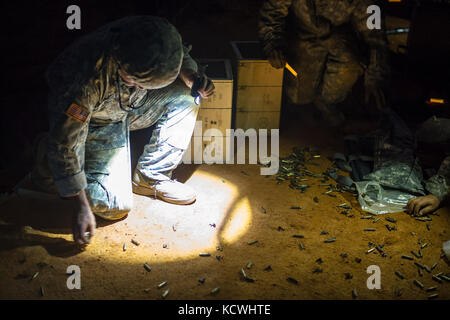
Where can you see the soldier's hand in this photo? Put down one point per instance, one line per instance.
(277, 59)
(189, 76)
(83, 220)
(422, 205)
(206, 88)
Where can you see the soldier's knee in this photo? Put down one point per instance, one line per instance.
(108, 204)
(111, 214)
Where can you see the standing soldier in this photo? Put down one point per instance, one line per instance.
(127, 75)
(319, 39)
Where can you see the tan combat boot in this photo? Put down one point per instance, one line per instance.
(170, 191)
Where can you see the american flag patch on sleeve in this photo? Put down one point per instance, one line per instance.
(78, 113)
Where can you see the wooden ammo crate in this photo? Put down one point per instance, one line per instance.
(216, 111)
(259, 88)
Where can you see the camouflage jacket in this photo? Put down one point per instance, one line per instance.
(439, 184)
(283, 20)
(84, 91)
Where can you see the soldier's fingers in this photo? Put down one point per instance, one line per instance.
(427, 209)
(419, 205)
(408, 205)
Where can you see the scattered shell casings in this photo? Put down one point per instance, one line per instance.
(252, 242)
(436, 278)
(301, 245)
(34, 276)
(420, 253)
(413, 233)
(202, 280)
(427, 268)
(407, 257)
(249, 265)
(370, 250)
(354, 293)
(215, 290)
(415, 254)
(390, 219)
(333, 239)
(419, 271)
(124, 247)
(204, 254)
(424, 245)
(376, 220)
(367, 217)
(370, 229)
(41, 291)
(162, 284)
(428, 227)
(296, 207)
(445, 277)
(423, 219)
(431, 289)
(433, 296)
(147, 267)
(147, 290)
(390, 228)
(243, 273)
(323, 232)
(399, 274)
(418, 283)
(292, 280)
(165, 293)
(135, 242)
(434, 266)
(298, 236)
(421, 266)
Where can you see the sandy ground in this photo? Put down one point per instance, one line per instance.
(235, 205)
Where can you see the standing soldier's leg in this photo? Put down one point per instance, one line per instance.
(174, 112)
(340, 75)
(308, 59)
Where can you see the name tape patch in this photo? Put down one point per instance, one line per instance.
(78, 113)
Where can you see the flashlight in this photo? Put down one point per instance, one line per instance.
(198, 82)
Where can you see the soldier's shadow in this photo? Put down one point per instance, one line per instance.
(27, 221)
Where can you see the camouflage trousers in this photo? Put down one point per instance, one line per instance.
(107, 163)
(327, 70)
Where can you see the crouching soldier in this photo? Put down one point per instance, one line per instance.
(320, 40)
(128, 75)
(434, 135)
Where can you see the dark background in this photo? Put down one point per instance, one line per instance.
(34, 32)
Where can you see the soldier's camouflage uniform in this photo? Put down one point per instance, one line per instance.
(320, 40)
(436, 132)
(94, 154)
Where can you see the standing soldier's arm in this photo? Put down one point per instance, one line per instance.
(439, 188)
(378, 69)
(70, 113)
(272, 33)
